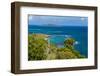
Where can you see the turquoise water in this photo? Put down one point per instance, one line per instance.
(58, 40)
(59, 34)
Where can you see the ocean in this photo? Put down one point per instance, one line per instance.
(59, 33)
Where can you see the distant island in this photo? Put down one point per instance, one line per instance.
(39, 48)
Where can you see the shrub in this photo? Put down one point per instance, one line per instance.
(36, 48)
(69, 42)
(65, 53)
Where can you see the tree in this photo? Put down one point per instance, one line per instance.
(69, 43)
(39, 49)
(65, 53)
(36, 48)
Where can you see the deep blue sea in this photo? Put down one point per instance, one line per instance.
(59, 34)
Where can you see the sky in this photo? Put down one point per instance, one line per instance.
(44, 20)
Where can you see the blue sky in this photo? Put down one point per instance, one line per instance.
(41, 20)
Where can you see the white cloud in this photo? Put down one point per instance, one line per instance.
(82, 19)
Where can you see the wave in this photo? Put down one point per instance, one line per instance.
(34, 29)
(54, 35)
(55, 31)
(68, 36)
(76, 43)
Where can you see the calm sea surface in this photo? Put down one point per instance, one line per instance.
(59, 34)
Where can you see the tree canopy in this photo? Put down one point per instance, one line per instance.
(40, 49)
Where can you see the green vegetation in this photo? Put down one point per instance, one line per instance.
(68, 43)
(40, 49)
(37, 48)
